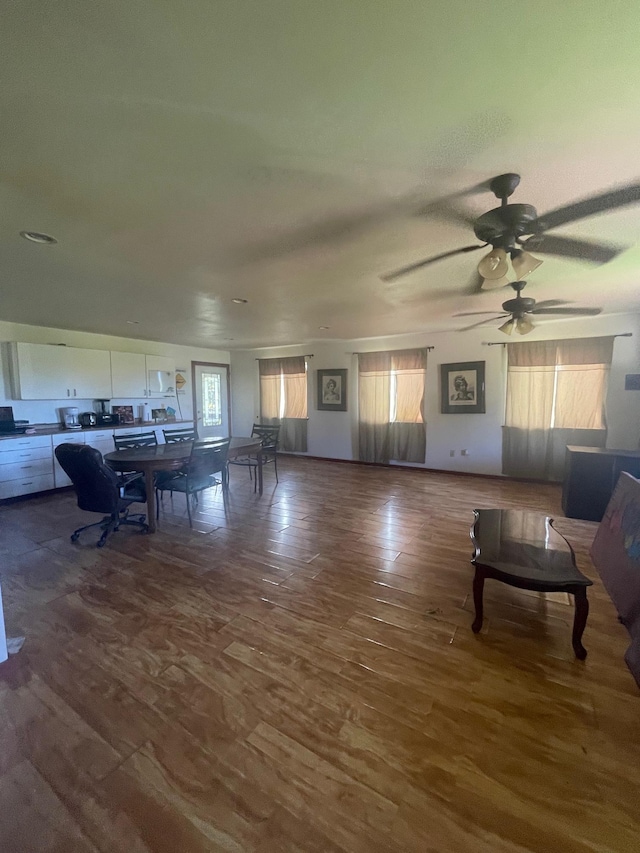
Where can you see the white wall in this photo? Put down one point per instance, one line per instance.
(333, 434)
(46, 411)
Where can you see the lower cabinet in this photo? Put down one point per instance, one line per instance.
(26, 466)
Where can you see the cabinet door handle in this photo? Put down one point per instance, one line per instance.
(24, 467)
(68, 393)
(74, 392)
(30, 483)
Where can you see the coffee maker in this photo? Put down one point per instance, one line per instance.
(104, 417)
(70, 419)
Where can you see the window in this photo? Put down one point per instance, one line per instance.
(283, 399)
(211, 400)
(556, 392)
(390, 394)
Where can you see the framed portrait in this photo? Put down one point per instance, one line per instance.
(462, 388)
(332, 390)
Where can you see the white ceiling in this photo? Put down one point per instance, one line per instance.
(179, 151)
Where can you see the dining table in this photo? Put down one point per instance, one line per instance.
(172, 457)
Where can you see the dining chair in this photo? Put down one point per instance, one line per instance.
(98, 490)
(134, 440)
(175, 436)
(207, 458)
(269, 437)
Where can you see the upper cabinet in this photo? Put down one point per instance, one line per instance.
(49, 372)
(160, 376)
(128, 374)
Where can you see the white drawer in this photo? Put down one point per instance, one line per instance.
(25, 441)
(26, 486)
(25, 469)
(99, 435)
(24, 454)
(68, 438)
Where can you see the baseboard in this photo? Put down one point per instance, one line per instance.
(425, 470)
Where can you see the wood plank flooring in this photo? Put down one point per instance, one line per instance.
(299, 674)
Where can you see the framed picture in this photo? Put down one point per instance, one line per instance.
(125, 412)
(332, 390)
(462, 388)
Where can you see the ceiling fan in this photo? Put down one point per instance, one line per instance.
(518, 311)
(512, 229)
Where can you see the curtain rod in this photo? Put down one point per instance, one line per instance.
(428, 349)
(306, 355)
(504, 343)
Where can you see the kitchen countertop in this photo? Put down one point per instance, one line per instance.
(57, 429)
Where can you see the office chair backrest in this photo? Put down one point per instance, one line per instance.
(175, 436)
(135, 439)
(95, 483)
(207, 457)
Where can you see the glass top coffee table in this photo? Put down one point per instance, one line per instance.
(524, 550)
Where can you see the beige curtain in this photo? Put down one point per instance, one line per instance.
(283, 399)
(391, 400)
(556, 393)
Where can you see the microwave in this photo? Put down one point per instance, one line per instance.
(159, 383)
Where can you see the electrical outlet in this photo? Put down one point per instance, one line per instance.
(464, 453)
(452, 453)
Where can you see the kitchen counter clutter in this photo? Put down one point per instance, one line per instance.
(28, 464)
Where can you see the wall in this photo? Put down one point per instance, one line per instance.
(46, 411)
(334, 434)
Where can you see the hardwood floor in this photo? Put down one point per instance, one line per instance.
(299, 674)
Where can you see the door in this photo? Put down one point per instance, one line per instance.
(211, 399)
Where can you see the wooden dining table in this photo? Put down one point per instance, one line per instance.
(172, 457)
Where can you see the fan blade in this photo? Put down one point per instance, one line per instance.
(390, 276)
(597, 253)
(444, 209)
(587, 207)
(483, 322)
(575, 312)
(550, 303)
(473, 313)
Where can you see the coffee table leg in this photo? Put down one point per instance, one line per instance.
(478, 589)
(579, 622)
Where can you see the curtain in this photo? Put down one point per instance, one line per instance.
(556, 393)
(391, 400)
(283, 399)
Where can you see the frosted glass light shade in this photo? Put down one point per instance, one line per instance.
(508, 327)
(494, 265)
(523, 263)
(524, 326)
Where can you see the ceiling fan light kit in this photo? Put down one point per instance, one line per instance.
(494, 265)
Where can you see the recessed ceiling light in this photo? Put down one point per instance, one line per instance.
(323, 328)
(240, 301)
(133, 322)
(37, 237)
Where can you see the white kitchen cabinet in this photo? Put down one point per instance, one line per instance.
(50, 372)
(128, 375)
(90, 373)
(160, 377)
(41, 372)
(26, 466)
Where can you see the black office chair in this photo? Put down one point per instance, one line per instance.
(175, 436)
(98, 490)
(207, 458)
(269, 437)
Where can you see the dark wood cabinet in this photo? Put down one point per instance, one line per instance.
(591, 474)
